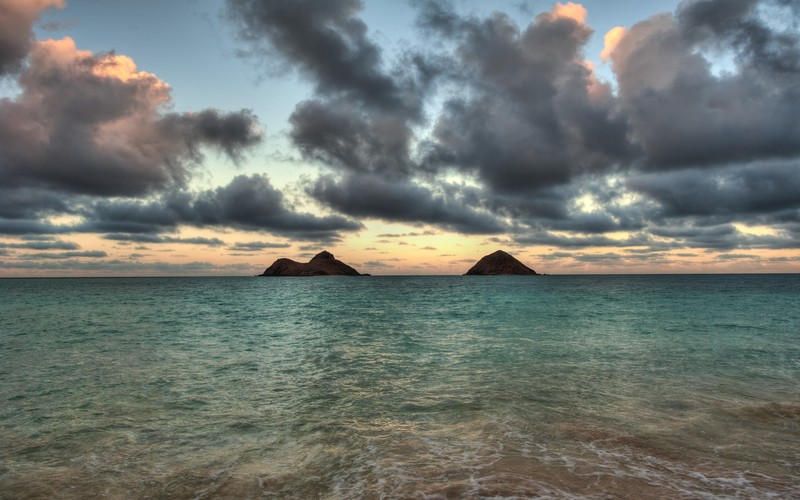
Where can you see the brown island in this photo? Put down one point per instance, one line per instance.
(500, 262)
(323, 264)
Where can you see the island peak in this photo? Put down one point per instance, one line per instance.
(323, 256)
(323, 264)
(500, 262)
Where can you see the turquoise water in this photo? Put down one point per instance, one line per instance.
(457, 386)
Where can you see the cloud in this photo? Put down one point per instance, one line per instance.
(737, 191)
(93, 124)
(736, 256)
(362, 116)
(556, 240)
(19, 202)
(532, 114)
(154, 238)
(405, 235)
(28, 227)
(325, 41)
(689, 233)
(91, 136)
(126, 267)
(247, 202)
(347, 138)
(43, 245)
(376, 264)
(372, 196)
(610, 41)
(16, 30)
(682, 114)
(252, 203)
(92, 254)
(680, 137)
(719, 237)
(233, 133)
(257, 246)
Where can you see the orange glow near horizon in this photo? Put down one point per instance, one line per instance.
(381, 249)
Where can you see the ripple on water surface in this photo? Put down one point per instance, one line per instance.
(409, 386)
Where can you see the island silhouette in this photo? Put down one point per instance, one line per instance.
(323, 264)
(500, 262)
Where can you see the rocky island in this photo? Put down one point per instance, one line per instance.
(500, 262)
(323, 264)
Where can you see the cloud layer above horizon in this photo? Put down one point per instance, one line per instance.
(518, 116)
(482, 127)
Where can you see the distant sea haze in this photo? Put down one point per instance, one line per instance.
(411, 387)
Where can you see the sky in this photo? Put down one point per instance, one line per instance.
(211, 137)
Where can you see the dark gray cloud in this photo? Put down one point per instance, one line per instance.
(154, 238)
(551, 239)
(340, 135)
(252, 203)
(43, 245)
(554, 256)
(691, 233)
(531, 115)
(759, 44)
(257, 246)
(18, 202)
(719, 237)
(233, 133)
(91, 254)
(326, 41)
(406, 235)
(605, 258)
(375, 197)
(376, 264)
(28, 227)
(247, 202)
(736, 256)
(740, 191)
(126, 267)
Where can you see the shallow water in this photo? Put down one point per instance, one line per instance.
(554, 386)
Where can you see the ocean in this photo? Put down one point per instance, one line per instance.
(401, 387)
